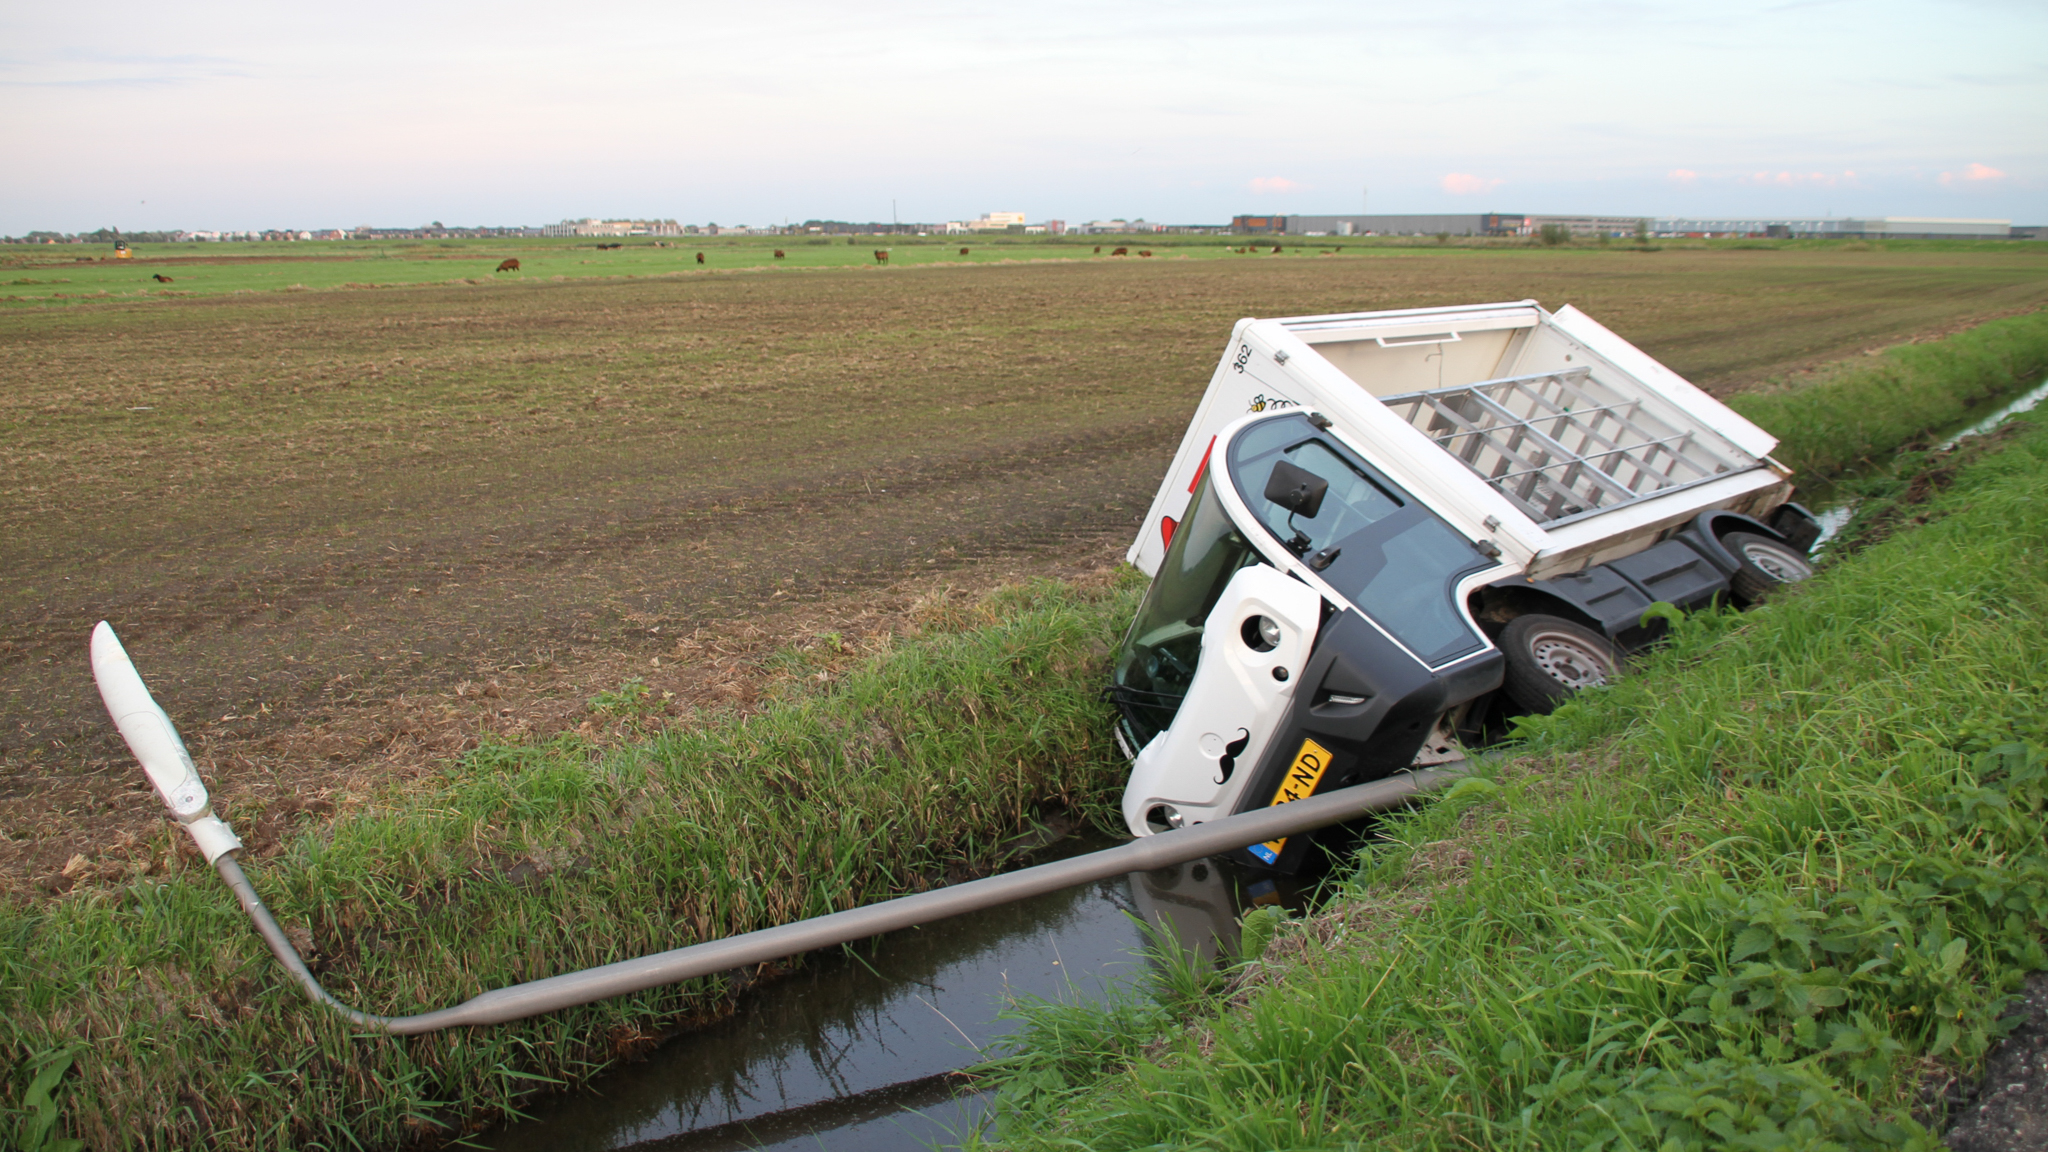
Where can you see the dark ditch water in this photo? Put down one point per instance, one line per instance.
(856, 1052)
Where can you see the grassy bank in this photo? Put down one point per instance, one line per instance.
(1862, 413)
(147, 1015)
(1749, 897)
(529, 861)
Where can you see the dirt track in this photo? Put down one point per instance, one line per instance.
(345, 534)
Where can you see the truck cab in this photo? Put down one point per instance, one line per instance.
(1380, 527)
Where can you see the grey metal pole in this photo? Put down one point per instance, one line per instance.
(553, 993)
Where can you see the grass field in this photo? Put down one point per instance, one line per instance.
(869, 765)
(1869, 409)
(55, 274)
(345, 532)
(73, 275)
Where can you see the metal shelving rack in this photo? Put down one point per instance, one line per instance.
(1560, 444)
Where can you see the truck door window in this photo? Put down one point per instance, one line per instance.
(1381, 548)
(1165, 640)
(1353, 501)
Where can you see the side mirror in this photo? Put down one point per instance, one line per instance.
(1296, 489)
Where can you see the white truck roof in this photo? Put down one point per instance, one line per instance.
(1547, 433)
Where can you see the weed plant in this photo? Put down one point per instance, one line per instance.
(527, 861)
(1745, 898)
(1862, 414)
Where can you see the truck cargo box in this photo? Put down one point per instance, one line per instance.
(1578, 443)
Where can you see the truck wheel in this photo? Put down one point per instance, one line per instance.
(1765, 564)
(1549, 658)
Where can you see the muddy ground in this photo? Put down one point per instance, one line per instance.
(346, 535)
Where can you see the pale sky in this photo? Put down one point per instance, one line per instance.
(231, 114)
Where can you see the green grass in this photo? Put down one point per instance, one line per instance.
(68, 274)
(73, 274)
(1861, 413)
(1743, 899)
(537, 859)
(911, 770)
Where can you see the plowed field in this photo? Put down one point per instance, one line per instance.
(346, 532)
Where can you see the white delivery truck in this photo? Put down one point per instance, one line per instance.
(1379, 525)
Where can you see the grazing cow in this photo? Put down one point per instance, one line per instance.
(1098, 249)
(1144, 251)
(1276, 249)
(160, 278)
(700, 257)
(963, 251)
(881, 255)
(778, 253)
(510, 265)
(1121, 252)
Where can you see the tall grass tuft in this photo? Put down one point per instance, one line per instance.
(1747, 897)
(1864, 413)
(530, 860)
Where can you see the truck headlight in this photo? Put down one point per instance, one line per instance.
(1262, 633)
(1163, 818)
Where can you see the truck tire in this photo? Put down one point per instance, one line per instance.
(1764, 565)
(1549, 658)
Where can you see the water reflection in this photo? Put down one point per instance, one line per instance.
(855, 1051)
(1835, 516)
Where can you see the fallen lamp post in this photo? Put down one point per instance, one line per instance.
(154, 740)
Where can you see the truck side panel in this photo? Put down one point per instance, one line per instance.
(1643, 367)
(1247, 380)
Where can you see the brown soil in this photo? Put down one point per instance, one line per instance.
(346, 535)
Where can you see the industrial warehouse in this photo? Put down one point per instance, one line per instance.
(1519, 224)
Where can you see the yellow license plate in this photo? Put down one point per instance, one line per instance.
(1300, 783)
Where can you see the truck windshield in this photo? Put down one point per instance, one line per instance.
(1159, 654)
(1390, 555)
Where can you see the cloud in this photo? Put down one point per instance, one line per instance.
(1466, 184)
(1682, 176)
(1270, 184)
(1974, 174)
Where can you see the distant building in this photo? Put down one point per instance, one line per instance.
(996, 222)
(592, 226)
(1927, 228)
(1425, 224)
(846, 228)
(1520, 224)
(1115, 227)
(1586, 225)
(1781, 226)
(1849, 228)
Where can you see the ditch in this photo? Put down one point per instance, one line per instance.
(864, 1049)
